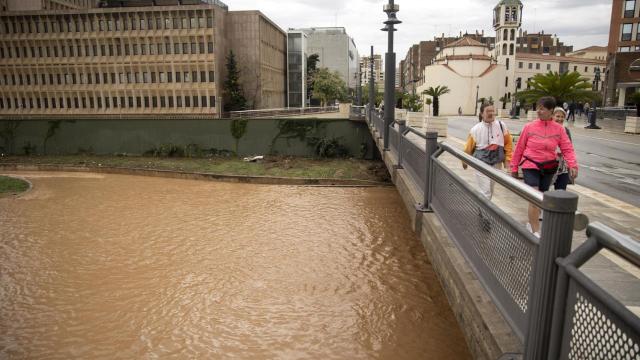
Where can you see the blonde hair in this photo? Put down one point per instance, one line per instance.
(561, 110)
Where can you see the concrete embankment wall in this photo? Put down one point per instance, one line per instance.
(487, 333)
(291, 137)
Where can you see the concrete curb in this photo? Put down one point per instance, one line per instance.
(264, 180)
(20, 193)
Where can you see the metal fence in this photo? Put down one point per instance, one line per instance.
(266, 113)
(518, 270)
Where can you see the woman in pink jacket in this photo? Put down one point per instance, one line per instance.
(536, 153)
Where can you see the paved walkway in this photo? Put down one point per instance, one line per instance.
(610, 271)
(607, 125)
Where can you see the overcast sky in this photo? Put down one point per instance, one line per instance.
(580, 23)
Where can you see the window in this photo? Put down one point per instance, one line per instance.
(626, 32)
(201, 47)
(537, 66)
(548, 66)
(211, 76)
(629, 8)
(586, 69)
(163, 102)
(138, 101)
(530, 66)
(146, 101)
(162, 77)
(202, 22)
(519, 83)
(154, 101)
(193, 48)
(194, 76)
(575, 68)
(203, 77)
(209, 22)
(203, 101)
(170, 98)
(169, 77)
(210, 47)
(194, 23)
(520, 65)
(130, 101)
(176, 48)
(177, 77)
(507, 63)
(185, 23)
(179, 101)
(187, 101)
(195, 101)
(153, 77)
(185, 48)
(624, 49)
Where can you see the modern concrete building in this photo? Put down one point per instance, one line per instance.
(378, 71)
(132, 57)
(623, 52)
(337, 51)
(260, 47)
(296, 69)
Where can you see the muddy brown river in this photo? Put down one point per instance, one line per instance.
(97, 266)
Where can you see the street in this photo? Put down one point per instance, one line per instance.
(608, 162)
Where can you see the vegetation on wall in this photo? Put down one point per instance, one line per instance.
(51, 131)
(238, 129)
(234, 99)
(8, 135)
(328, 147)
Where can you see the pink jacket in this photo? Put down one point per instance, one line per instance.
(538, 141)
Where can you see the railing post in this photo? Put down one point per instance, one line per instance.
(430, 148)
(555, 242)
(402, 127)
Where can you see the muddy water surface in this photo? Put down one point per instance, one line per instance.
(124, 267)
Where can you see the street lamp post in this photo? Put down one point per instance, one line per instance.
(390, 71)
(475, 112)
(594, 113)
(372, 95)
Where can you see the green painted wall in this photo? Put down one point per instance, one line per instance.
(137, 136)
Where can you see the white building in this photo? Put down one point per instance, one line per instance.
(471, 70)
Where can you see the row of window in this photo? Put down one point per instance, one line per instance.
(106, 50)
(629, 49)
(629, 8)
(106, 22)
(627, 32)
(537, 65)
(129, 102)
(139, 77)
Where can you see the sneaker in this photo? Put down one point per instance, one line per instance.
(536, 234)
(529, 227)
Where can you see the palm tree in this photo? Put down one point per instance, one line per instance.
(428, 102)
(563, 87)
(435, 93)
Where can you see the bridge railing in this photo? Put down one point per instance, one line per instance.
(588, 321)
(265, 113)
(518, 270)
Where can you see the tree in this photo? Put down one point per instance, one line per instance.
(411, 102)
(435, 93)
(378, 95)
(328, 86)
(234, 99)
(428, 102)
(563, 87)
(312, 63)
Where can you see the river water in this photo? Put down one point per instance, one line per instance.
(124, 267)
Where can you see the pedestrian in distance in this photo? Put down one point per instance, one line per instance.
(561, 178)
(489, 141)
(571, 116)
(535, 153)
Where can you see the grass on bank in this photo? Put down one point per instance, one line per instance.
(274, 166)
(11, 186)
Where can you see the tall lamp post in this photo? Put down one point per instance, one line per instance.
(594, 113)
(372, 95)
(390, 70)
(475, 112)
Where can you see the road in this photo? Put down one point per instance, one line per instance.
(609, 162)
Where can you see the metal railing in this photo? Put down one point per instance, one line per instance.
(517, 270)
(588, 321)
(266, 113)
(357, 112)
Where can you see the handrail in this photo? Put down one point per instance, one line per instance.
(414, 131)
(501, 178)
(620, 244)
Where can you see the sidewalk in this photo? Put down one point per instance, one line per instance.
(607, 125)
(608, 270)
